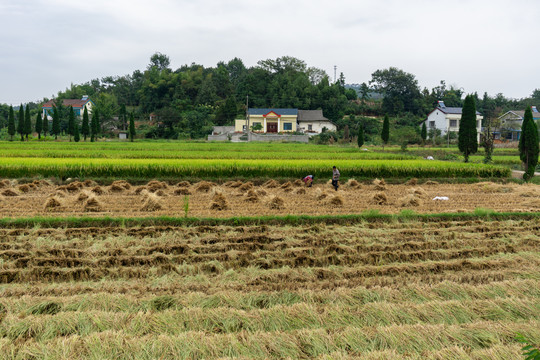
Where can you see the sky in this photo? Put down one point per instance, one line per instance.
(477, 45)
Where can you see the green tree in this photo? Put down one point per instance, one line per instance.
(131, 127)
(76, 135)
(122, 116)
(346, 133)
(400, 91)
(385, 133)
(39, 124)
(423, 133)
(71, 123)
(528, 145)
(45, 124)
(85, 130)
(11, 123)
(360, 135)
(468, 135)
(27, 122)
(20, 124)
(96, 128)
(55, 123)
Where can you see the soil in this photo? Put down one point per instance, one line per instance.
(242, 202)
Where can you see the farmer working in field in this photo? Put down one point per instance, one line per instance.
(308, 180)
(335, 178)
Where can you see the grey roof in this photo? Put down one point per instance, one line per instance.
(452, 110)
(257, 111)
(311, 115)
(521, 114)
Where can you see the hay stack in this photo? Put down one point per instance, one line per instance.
(271, 184)
(234, 184)
(140, 189)
(83, 195)
(183, 184)
(300, 191)
(152, 203)
(410, 200)
(286, 185)
(380, 185)
(24, 188)
(204, 186)
(98, 190)
(246, 186)
(276, 203)
(182, 191)
(116, 188)
(219, 202)
(261, 192)
(430, 182)
(92, 205)
(380, 198)
(298, 183)
(60, 194)
(89, 183)
(9, 192)
(412, 182)
(52, 203)
(321, 195)
(74, 186)
(4, 184)
(336, 201)
(122, 183)
(353, 183)
(419, 192)
(160, 193)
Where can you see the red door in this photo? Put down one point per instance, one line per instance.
(271, 127)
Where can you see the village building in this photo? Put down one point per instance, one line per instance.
(313, 122)
(510, 124)
(446, 119)
(268, 121)
(78, 106)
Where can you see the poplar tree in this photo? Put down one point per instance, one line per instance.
(76, 136)
(20, 124)
(11, 123)
(39, 124)
(45, 126)
(96, 128)
(131, 127)
(468, 135)
(85, 130)
(27, 123)
(528, 145)
(71, 122)
(423, 133)
(385, 134)
(360, 135)
(55, 123)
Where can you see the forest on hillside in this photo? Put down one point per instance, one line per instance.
(189, 100)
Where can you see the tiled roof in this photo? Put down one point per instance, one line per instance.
(76, 103)
(452, 110)
(257, 111)
(311, 115)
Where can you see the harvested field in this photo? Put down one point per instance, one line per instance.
(375, 290)
(296, 201)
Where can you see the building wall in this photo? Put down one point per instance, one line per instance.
(253, 119)
(443, 121)
(316, 126)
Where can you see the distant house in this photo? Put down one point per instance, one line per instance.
(268, 120)
(510, 124)
(446, 119)
(313, 122)
(77, 104)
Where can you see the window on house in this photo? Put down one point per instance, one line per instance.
(310, 127)
(244, 127)
(432, 124)
(287, 126)
(453, 123)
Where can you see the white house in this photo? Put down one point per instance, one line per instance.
(312, 122)
(446, 119)
(510, 124)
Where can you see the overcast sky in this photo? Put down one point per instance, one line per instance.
(477, 45)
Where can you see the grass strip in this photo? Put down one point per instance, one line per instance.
(293, 220)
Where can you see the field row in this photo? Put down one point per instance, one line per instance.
(410, 289)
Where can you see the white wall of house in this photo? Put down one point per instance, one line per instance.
(316, 126)
(449, 122)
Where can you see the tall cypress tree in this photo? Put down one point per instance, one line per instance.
(71, 122)
(423, 133)
(360, 135)
(528, 145)
(39, 124)
(85, 130)
(11, 123)
(27, 123)
(385, 134)
(55, 123)
(20, 124)
(45, 126)
(468, 135)
(131, 127)
(96, 127)
(76, 136)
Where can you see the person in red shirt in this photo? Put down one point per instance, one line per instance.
(308, 180)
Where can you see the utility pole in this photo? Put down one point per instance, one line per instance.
(335, 69)
(247, 119)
